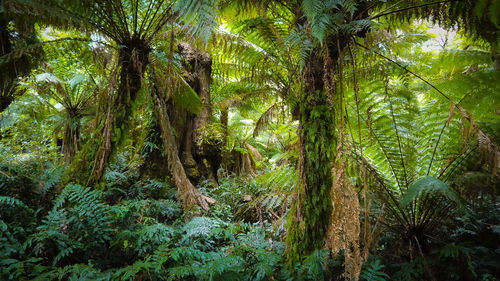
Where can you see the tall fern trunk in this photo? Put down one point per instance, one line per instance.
(186, 191)
(6, 84)
(133, 58)
(496, 57)
(71, 142)
(308, 225)
(326, 210)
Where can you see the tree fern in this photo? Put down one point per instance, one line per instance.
(200, 16)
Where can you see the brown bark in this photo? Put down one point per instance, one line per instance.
(133, 59)
(224, 120)
(19, 64)
(186, 191)
(200, 159)
(227, 158)
(71, 142)
(496, 58)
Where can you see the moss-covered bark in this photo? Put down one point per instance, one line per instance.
(90, 164)
(200, 158)
(132, 59)
(20, 64)
(187, 192)
(308, 224)
(155, 163)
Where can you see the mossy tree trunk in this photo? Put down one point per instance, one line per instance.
(88, 169)
(20, 64)
(200, 158)
(71, 138)
(308, 225)
(133, 59)
(6, 83)
(326, 209)
(186, 191)
(155, 164)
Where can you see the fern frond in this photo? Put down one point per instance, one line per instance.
(265, 119)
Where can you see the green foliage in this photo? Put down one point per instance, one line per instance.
(423, 145)
(200, 16)
(307, 228)
(273, 194)
(410, 271)
(151, 236)
(78, 225)
(374, 271)
(211, 134)
(231, 192)
(426, 185)
(328, 16)
(12, 202)
(28, 183)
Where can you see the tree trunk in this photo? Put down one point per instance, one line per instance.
(227, 159)
(186, 191)
(326, 208)
(17, 65)
(71, 141)
(201, 159)
(133, 59)
(308, 225)
(7, 82)
(496, 57)
(155, 164)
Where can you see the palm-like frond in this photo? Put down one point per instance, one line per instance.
(479, 18)
(409, 128)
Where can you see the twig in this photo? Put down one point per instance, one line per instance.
(272, 212)
(5, 174)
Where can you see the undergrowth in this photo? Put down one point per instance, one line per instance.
(135, 229)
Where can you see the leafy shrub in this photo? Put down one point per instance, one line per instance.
(231, 194)
(373, 271)
(76, 228)
(28, 180)
(152, 236)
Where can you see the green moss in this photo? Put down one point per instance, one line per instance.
(81, 167)
(308, 222)
(195, 172)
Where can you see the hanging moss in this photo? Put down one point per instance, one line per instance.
(308, 223)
